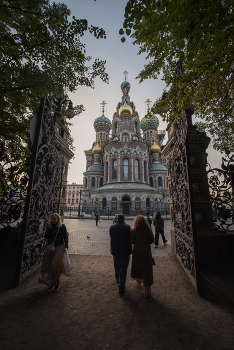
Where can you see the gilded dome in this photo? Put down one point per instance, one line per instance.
(149, 120)
(97, 149)
(155, 148)
(125, 109)
(102, 123)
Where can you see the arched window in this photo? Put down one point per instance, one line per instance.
(151, 182)
(159, 182)
(101, 181)
(104, 203)
(125, 138)
(86, 182)
(93, 182)
(137, 174)
(135, 128)
(137, 203)
(145, 171)
(106, 171)
(147, 202)
(125, 169)
(114, 203)
(114, 170)
(116, 128)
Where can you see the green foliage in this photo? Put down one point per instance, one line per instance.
(199, 34)
(41, 48)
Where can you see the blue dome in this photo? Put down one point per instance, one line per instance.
(149, 120)
(102, 123)
(157, 166)
(96, 167)
(125, 85)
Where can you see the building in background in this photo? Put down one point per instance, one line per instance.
(74, 193)
(125, 170)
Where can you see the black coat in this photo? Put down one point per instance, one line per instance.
(62, 236)
(120, 239)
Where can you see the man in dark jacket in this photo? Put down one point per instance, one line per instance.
(121, 248)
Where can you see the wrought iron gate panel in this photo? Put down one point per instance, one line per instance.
(43, 193)
(181, 199)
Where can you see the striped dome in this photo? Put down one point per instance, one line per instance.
(102, 123)
(125, 85)
(149, 120)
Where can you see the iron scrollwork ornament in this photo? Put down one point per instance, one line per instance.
(221, 185)
(45, 192)
(178, 168)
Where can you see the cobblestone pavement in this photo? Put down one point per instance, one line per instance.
(98, 242)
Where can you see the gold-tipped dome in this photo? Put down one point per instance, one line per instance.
(125, 109)
(97, 149)
(155, 148)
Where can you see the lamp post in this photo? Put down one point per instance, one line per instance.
(79, 205)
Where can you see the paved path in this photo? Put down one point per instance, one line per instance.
(99, 241)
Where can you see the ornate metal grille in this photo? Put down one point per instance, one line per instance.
(221, 184)
(43, 192)
(181, 197)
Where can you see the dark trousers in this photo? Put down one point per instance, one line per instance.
(121, 266)
(97, 221)
(157, 236)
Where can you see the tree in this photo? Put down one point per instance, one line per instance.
(41, 48)
(197, 36)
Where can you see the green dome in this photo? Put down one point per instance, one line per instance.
(102, 123)
(149, 120)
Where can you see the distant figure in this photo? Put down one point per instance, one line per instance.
(142, 270)
(97, 217)
(148, 218)
(159, 228)
(115, 219)
(121, 248)
(52, 263)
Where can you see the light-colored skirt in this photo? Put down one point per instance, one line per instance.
(52, 266)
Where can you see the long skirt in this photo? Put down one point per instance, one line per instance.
(52, 266)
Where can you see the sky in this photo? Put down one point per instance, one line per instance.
(120, 57)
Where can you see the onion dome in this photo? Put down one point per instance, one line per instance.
(125, 109)
(155, 148)
(97, 149)
(125, 85)
(149, 120)
(102, 123)
(157, 166)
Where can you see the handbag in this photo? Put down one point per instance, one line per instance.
(66, 262)
(50, 248)
(100, 220)
(153, 261)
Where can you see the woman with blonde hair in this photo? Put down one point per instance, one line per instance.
(142, 270)
(52, 262)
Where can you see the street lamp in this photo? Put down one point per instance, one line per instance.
(79, 204)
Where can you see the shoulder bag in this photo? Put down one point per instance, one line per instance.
(50, 248)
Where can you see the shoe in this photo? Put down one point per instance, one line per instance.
(50, 288)
(56, 287)
(122, 293)
(165, 243)
(156, 246)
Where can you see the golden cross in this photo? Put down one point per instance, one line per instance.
(125, 75)
(148, 104)
(103, 106)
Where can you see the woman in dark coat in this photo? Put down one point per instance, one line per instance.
(52, 263)
(142, 237)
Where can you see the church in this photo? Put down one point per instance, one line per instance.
(125, 170)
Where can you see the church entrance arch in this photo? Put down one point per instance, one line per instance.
(126, 205)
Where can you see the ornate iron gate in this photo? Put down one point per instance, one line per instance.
(43, 192)
(182, 201)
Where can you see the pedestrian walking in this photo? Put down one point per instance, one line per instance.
(52, 262)
(142, 269)
(97, 217)
(159, 229)
(121, 248)
(148, 218)
(115, 219)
